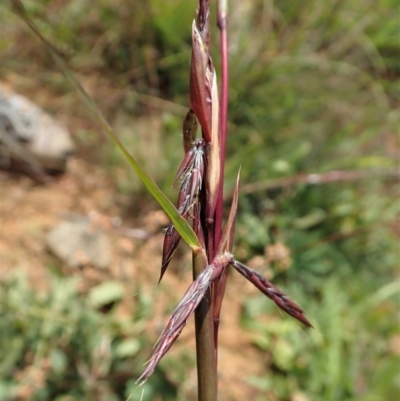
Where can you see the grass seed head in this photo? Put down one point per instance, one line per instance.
(272, 292)
(184, 310)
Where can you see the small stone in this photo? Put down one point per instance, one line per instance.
(30, 135)
(79, 244)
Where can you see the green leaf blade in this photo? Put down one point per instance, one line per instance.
(181, 225)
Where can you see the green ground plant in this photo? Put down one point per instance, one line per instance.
(56, 344)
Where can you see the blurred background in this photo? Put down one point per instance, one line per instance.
(314, 124)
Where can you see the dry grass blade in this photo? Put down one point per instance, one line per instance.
(14, 147)
(225, 245)
(198, 89)
(272, 292)
(214, 158)
(227, 238)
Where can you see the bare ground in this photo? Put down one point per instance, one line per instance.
(28, 211)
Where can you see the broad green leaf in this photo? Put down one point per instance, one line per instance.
(181, 225)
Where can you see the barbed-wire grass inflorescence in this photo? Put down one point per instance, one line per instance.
(200, 196)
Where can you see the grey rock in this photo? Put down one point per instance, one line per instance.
(79, 243)
(29, 134)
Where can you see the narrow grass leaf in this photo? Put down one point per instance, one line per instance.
(179, 222)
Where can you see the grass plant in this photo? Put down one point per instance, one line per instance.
(314, 97)
(200, 198)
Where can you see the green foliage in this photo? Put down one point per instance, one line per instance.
(55, 345)
(106, 293)
(349, 355)
(312, 94)
(318, 96)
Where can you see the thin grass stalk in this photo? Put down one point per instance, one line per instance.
(220, 284)
(222, 25)
(204, 327)
(205, 355)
